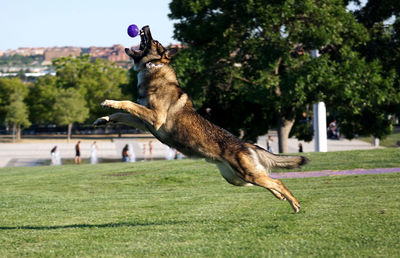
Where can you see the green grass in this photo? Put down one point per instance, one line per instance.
(185, 209)
(343, 160)
(391, 140)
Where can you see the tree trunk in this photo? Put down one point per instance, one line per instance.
(18, 132)
(285, 125)
(14, 132)
(283, 134)
(69, 132)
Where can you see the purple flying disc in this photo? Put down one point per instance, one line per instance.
(133, 30)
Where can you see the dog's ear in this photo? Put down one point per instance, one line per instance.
(167, 55)
(171, 53)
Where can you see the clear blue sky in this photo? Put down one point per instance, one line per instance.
(81, 23)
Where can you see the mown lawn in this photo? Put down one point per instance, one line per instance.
(186, 209)
(343, 160)
(392, 140)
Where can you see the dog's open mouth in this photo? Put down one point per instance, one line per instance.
(145, 41)
(146, 37)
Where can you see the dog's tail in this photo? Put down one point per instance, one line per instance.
(270, 160)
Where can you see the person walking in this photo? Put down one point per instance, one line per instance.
(93, 153)
(300, 147)
(144, 151)
(132, 154)
(53, 156)
(78, 159)
(125, 154)
(269, 143)
(151, 150)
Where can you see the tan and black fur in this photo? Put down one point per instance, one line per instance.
(165, 110)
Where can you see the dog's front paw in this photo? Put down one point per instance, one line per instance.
(102, 121)
(110, 104)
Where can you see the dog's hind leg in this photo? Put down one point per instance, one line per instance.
(277, 188)
(277, 195)
(250, 170)
(231, 176)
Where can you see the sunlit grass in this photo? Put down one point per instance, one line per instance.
(185, 208)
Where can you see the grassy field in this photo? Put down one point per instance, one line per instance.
(186, 209)
(343, 160)
(391, 140)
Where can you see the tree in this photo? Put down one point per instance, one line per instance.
(255, 54)
(358, 92)
(95, 80)
(377, 11)
(68, 108)
(78, 81)
(17, 115)
(382, 19)
(41, 99)
(13, 110)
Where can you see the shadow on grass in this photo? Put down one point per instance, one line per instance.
(107, 225)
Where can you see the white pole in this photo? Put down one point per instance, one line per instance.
(320, 135)
(375, 141)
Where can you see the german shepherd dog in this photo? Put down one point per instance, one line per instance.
(165, 110)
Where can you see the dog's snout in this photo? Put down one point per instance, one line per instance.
(147, 33)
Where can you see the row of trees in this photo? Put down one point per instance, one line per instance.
(73, 95)
(249, 66)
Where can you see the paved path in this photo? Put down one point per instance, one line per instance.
(334, 173)
(32, 152)
(333, 145)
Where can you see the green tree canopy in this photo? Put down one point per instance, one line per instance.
(249, 63)
(382, 18)
(13, 110)
(17, 111)
(69, 107)
(95, 80)
(41, 98)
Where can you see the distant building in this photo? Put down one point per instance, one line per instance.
(115, 53)
(24, 51)
(177, 46)
(56, 52)
(37, 51)
(118, 54)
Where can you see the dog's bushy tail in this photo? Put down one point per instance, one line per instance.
(270, 160)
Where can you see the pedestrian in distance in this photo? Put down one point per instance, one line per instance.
(93, 153)
(125, 153)
(78, 159)
(269, 143)
(333, 130)
(151, 150)
(53, 156)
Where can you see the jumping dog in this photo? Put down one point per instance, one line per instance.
(166, 111)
